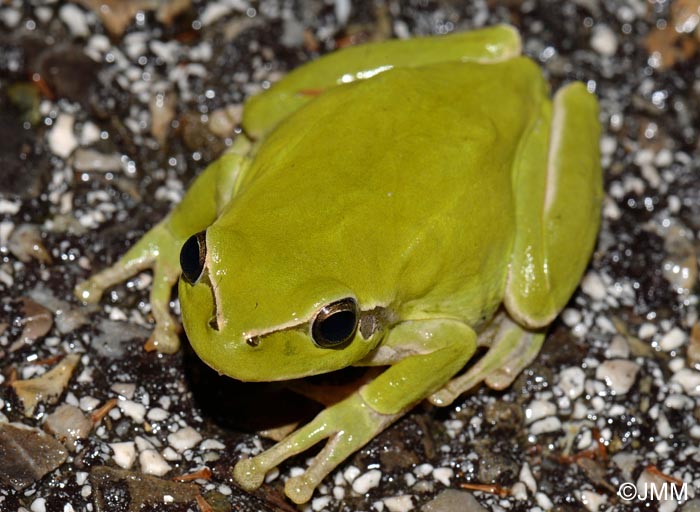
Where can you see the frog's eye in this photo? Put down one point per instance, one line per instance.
(335, 324)
(192, 257)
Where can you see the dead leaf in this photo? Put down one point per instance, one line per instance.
(27, 454)
(47, 388)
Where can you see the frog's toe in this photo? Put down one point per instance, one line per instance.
(299, 489)
(164, 339)
(248, 474)
(89, 292)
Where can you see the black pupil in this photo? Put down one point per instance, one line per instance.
(191, 259)
(338, 327)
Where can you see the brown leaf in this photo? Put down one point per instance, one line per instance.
(27, 454)
(47, 388)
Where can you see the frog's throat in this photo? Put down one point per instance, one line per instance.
(371, 321)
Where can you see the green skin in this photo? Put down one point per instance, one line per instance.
(447, 194)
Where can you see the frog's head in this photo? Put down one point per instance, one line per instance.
(263, 317)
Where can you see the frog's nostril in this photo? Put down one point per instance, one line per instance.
(214, 323)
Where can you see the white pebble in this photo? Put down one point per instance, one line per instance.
(184, 439)
(157, 414)
(170, 454)
(673, 339)
(538, 409)
(320, 503)
(443, 475)
(527, 478)
(369, 480)
(75, 18)
(593, 286)
(689, 380)
(646, 331)
(350, 473)
(133, 410)
(550, 424)
(592, 500)
(618, 374)
(38, 505)
(544, 501)
(618, 348)
(664, 158)
(124, 454)
(152, 463)
(571, 317)
(399, 503)
(519, 491)
(571, 381)
(604, 40)
(62, 140)
(89, 403)
(212, 444)
(423, 470)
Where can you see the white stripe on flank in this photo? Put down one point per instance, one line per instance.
(555, 135)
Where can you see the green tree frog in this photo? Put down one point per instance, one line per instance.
(394, 204)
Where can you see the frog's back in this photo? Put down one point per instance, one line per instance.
(405, 179)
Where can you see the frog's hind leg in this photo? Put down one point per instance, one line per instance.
(511, 349)
(557, 207)
(264, 111)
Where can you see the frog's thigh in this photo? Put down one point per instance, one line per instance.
(511, 349)
(428, 354)
(557, 207)
(264, 111)
(159, 249)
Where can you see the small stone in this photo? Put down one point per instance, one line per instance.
(399, 503)
(157, 414)
(571, 382)
(124, 454)
(689, 380)
(646, 331)
(673, 339)
(550, 424)
(618, 348)
(527, 478)
(618, 374)
(367, 481)
(62, 140)
(443, 475)
(592, 500)
(350, 473)
(451, 500)
(593, 286)
(538, 409)
(133, 410)
(184, 439)
(604, 40)
(153, 463)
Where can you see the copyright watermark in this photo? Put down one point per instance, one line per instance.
(653, 491)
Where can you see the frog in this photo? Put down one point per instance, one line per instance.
(403, 205)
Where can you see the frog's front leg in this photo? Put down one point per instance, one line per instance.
(159, 249)
(423, 354)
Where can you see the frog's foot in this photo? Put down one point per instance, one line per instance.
(512, 350)
(158, 250)
(348, 426)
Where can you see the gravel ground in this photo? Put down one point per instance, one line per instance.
(107, 113)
